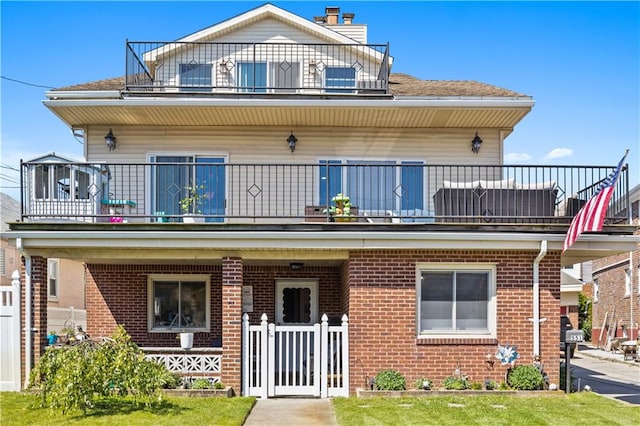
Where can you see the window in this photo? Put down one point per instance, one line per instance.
(596, 289)
(52, 279)
(337, 79)
(195, 77)
(61, 182)
(284, 76)
(173, 174)
(375, 186)
(456, 299)
(627, 282)
(252, 77)
(178, 302)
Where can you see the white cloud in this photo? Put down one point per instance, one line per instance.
(558, 153)
(516, 157)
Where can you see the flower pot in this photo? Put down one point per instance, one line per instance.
(193, 218)
(52, 339)
(186, 341)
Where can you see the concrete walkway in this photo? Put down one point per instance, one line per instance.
(292, 411)
(591, 351)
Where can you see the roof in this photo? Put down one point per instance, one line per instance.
(399, 84)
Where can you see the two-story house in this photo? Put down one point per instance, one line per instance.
(353, 219)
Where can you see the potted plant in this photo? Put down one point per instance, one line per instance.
(52, 338)
(190, 204)
(341, 211)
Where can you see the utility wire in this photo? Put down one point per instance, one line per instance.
(26, 83)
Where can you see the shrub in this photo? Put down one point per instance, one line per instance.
(390, 380)
(218, 385)
(456, 383)
(201, 384)
(476, 386)
(525, 377)
(490, 384)
(74, 377)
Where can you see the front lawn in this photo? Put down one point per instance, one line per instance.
(577, 408)
(20, 409)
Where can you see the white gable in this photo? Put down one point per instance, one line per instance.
(267, 11)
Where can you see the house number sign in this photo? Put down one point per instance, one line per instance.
(247, 298)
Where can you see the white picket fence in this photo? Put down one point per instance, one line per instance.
(295, 360)
(10, 336)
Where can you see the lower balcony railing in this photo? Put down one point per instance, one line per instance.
(329, 191)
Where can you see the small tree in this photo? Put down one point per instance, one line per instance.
(585, 319)
(73, 377)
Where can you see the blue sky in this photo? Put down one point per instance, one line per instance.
(579, 61)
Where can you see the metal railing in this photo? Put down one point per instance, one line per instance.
(385, 191)
(281, 68)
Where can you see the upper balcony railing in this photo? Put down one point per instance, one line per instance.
(383, 191)
(256, 68)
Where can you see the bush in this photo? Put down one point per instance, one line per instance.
(218, 385)
(74, 377)
(201, 384)
(390, 380)
(525, 377)
(456, 383)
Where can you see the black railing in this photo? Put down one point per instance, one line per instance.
(281, 68)
(329, 191)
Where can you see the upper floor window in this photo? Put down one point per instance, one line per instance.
(179, 302)
(456, 299)
(375, 186)
(195, 77)
(52, 279)
(338, 79)
(596, 289)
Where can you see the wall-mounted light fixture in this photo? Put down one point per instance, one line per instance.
(110, 140)
(225, 67)
(296, 266)
(312, 67)
(291, 140)
(475, 144)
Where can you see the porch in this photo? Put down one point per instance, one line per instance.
(164, 190)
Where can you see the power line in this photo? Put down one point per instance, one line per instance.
(26, 83)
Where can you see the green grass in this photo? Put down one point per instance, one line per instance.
(577, 408)
(21, 409)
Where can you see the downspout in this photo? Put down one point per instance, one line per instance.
(28, 326)
(536, 298)
(631, 337)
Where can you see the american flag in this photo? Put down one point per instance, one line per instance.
(591, 216)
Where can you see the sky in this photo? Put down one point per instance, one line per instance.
(580, 61)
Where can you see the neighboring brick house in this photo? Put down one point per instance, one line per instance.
(616, 288)
(327, 185)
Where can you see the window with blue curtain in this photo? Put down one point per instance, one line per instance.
(330, 180)
(375, 186)
(195, 77)
(252, 77)
(412, 180)
(340, 79)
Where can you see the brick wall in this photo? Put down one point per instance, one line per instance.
(232, 277)
(610, 273)
(117, 294)
(382, 310)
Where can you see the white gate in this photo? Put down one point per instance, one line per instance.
(295, 360)
(10, 336)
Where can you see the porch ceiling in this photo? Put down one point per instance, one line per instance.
(111, 246)
(335, 114)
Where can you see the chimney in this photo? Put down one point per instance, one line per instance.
(320, 19)
(332, 15)
(347, 18)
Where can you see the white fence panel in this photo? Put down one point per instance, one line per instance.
(10, 336)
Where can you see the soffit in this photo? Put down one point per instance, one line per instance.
(351, 116)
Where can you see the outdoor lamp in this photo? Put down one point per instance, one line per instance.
(475, 144)
(292, 142)
(110, 140)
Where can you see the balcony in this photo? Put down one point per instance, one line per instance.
(384, 192)
(219, 69)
